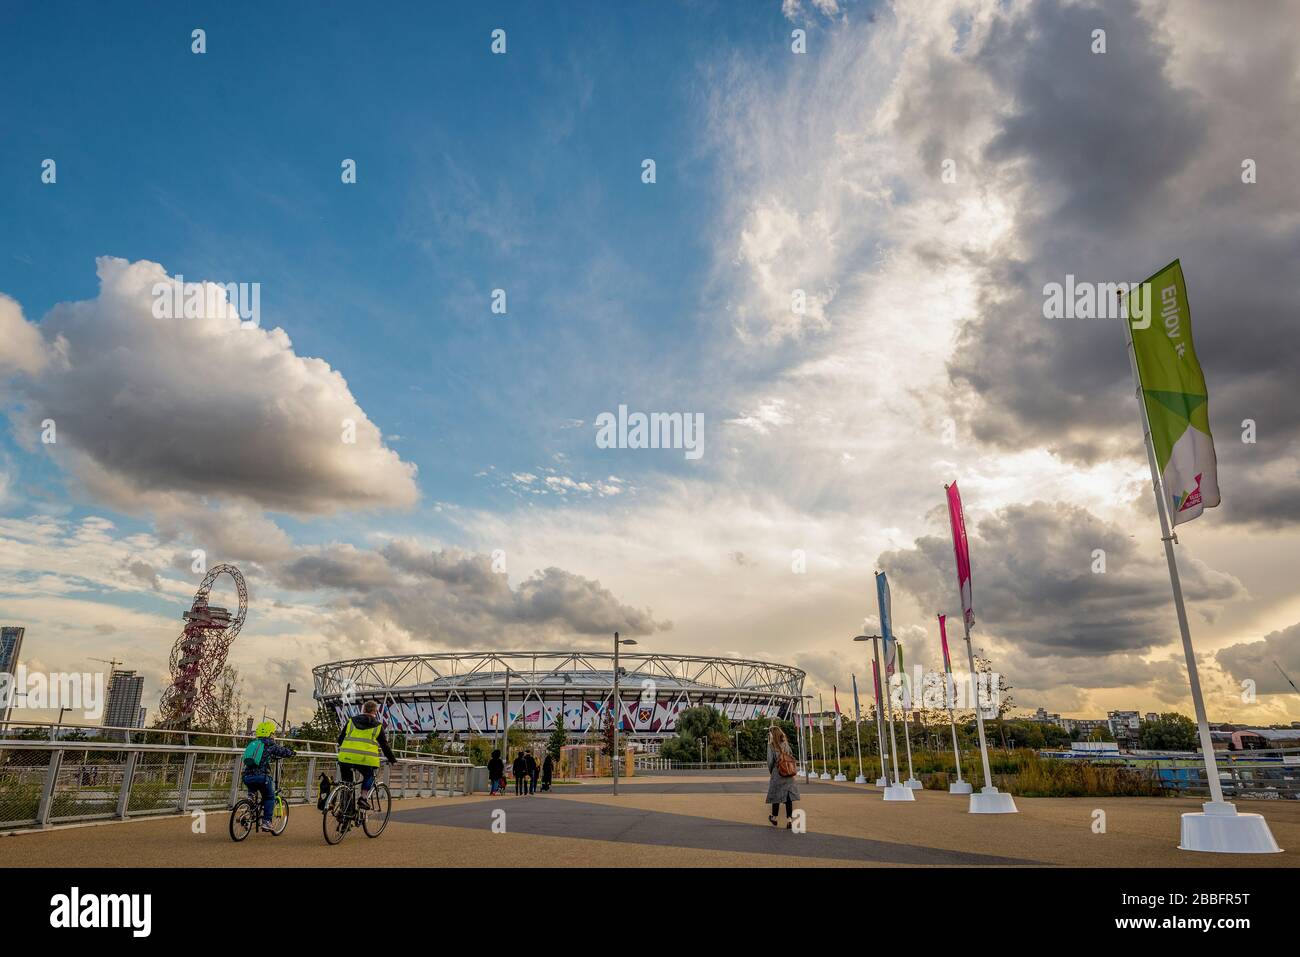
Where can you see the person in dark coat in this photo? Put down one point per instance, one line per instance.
(534, 769)
(497, 772)
(548, 771)
(780, 789)
(520, 770)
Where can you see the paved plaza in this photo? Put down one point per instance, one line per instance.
(714, 820)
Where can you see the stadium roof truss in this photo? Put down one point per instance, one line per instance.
(457, 677)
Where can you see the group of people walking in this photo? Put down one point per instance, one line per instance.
(525, 769)
(782, 786)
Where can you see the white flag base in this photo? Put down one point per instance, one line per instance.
(839, 777)
(801, 773)
(824, 776)
(914, 784)
(1219, 829)
(992, 801)
(882, 782)
(899, 792)
(859, 780)
(960, 787)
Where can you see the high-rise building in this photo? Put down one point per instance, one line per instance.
(125, 688)
(11, 645)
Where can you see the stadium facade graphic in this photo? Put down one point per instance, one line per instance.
(477, 693)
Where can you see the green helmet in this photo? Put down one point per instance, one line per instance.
(264, 729)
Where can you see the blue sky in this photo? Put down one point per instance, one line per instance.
(475, 172)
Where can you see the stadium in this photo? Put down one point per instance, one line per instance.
(468, 693)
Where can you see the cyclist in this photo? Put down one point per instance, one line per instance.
(359, 743)
(258, 755)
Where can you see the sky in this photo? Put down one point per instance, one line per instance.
(503, 270)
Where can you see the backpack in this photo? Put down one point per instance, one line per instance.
(253, 754)
(785, 765)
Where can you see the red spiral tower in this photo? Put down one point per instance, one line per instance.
(199, 655)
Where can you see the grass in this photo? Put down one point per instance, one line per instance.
(1020, 772)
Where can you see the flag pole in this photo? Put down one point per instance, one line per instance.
(839, 721)
(979, 712)
(883, 780)
(1168, 538)
(950, 698)
(989, 800)
(857, 730)
(821, 726)
(1218, 827)
(905, 687)
(798, 730)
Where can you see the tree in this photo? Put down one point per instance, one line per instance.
(693, 724)
(559, 737)
(230, 702)
(998, 687)
(323, 726)
(1101, 733)
(1170, 731)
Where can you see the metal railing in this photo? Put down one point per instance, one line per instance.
(95, 734)
(1265, 774)
(58, 782)
(646, 763)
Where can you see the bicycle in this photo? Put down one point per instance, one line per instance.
(342, 811)
(246, 815)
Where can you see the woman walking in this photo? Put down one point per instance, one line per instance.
(782, 785)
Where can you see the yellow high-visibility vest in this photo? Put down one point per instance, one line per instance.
(360, 745)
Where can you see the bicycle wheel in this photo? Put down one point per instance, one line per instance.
(376, 819)
(336, 817)
(243, 819)
(280, 816)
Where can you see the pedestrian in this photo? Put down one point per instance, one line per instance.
(548, 771)
(497, 772)
(782, 785)
(534, 769)
(520, 770)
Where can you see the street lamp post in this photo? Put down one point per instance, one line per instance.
(618, 704)
(284, 721)
(883, 780)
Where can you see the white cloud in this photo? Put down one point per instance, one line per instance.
(150, 409)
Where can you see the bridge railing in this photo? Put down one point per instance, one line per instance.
(69, 733)
(59, 782)
(646, 763)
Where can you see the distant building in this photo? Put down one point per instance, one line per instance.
(125, 688)
(1124, 725)
(1085, 726)
(11, 646)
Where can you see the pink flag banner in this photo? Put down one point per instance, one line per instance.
(943, 640)
(961, 549)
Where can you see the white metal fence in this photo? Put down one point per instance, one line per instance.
(57, 782)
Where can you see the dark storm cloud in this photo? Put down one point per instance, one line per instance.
(454, 597)
(1035, 590)
(1259, 661)
(1115, 166)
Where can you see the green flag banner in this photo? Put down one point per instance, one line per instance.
(1173, 390)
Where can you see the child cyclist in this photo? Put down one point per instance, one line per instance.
(258, 755)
